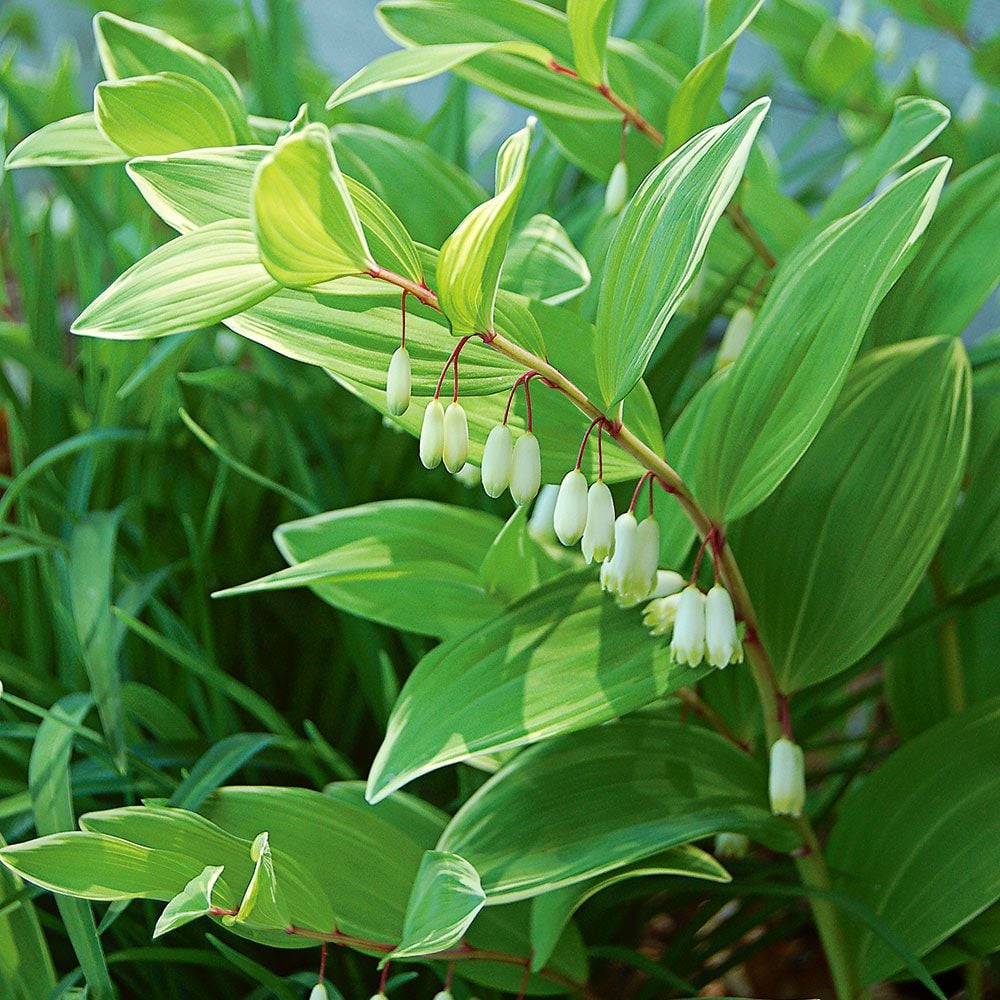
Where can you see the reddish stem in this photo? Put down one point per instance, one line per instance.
(638, 490)
(322, 961)
(452, 360)
(385, 977)
(583, 444)
(402, 309)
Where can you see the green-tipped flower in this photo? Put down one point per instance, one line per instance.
(616, 193)
(498, 460)
(787, 779)
(526, 474)
(432, 435)
(398, 383)
(570, 516)
(731, 845)
(722, 641)
(688, 643)
(660, 614)
(599, 534)
(456, 437)
(319, 992)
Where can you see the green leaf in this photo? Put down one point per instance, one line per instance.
(589, 24)
(915, 123)
(697, 98)
(785, 382)
(543, 264)
(194, 281)
(307, 226)
(957, 266)
(129, 49)
(668, 223)
(70, 141)
(564, 658)
(916, 840)
(585, 804)
(527, 82)
(401, 69)
(192, 902)
(194, 188)
(552, 911)
(26, 970)
(446, 898)
(262, 905)
(95, 866)
(410, 564)
(873, 493)
(515, 564)
(468, 270)
(164, 113)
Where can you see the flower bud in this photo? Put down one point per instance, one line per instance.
(540, 525)
(616, 193)
(667, 583)
(456, 437)
(319, 992)
(722, 641)
(570, 516)
(599, 534)
(398, 382)
(731, 845)
(688, 643)
(659, 615)
(616, 570)
(735, 337)
(468, 475)
(526, 474)
(432, 435)
(787, 780)
(498, 459)
(443, 995)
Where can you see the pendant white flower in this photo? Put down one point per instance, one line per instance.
(432, 435)
(616, 193)
(731, 845)
(456, 437)
(688, 643)
(319, 992)
(617, 570)
(526, 474)
(787, 778)
(443, 995)
(659, 615)
(570, 516)
(647, 557)
(540, 525)
(668, 582)
(498, 460)
(735, 338)
(599, 534)
(398, 383)
(722, 641)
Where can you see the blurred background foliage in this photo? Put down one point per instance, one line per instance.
(150, 474)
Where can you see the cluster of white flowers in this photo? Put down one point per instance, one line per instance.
(704, 626)
(514, 465)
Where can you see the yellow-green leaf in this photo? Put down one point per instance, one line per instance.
(70, 141)
(589, 24)
(307, 226)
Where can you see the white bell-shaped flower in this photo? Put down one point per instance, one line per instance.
(688, 643)
(469, 475)
(660, 614)
(319, 992)
(526, 474)
(722, 641)
(647, 557)
(735, 337)
(668, 582)
(570, 516)
(540, 525)
(498, 460)
(617, 572)
(443, 995)
(616, 193)
(599, 533)
(456, 437)
(432, 435)
(398, 383)
(787, 778)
